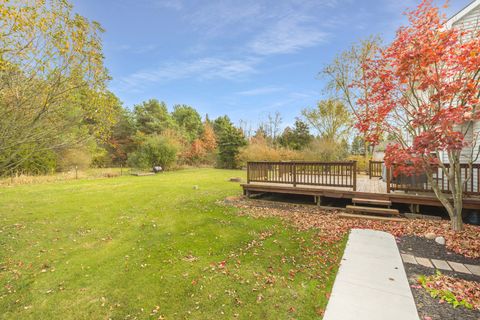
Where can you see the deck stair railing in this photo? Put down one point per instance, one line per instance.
(332, 174)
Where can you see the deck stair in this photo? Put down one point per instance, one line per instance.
(372, 206)
(387, 203)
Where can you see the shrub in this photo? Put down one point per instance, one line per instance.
(325, 150)
(70, 158)
(259, 150)
(155, 150)
(362, 162)
(30, 161)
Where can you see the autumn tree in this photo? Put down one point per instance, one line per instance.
(203, 147)
(121, 141)
(346, 68)
(53, 81)
(208, 137)
(330, 118)
(423, 91)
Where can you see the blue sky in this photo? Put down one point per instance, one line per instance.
(243, 58)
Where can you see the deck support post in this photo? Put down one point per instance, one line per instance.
(318, 200)
(415, 208)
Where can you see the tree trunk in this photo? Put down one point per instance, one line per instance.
(454, 209)
(456, 221)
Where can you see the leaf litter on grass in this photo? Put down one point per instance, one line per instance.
(332, 227)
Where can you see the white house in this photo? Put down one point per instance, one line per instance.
(468, 19)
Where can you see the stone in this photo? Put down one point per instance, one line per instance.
(430, 235)
(474, 269)
(440, 240)
(408, 258)
(458, 267)
(441, 264)
(424, 262)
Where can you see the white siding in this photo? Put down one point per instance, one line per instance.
(470, 21)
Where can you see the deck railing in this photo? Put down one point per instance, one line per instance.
(470, 176)
(375, 169)
(333, 174)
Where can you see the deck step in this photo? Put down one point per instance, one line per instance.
(373, 210)
(363, 216)
(372, 201)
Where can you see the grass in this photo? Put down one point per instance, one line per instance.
(151, 248)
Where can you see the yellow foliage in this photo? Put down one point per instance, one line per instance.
(258, 150)
(362, 162)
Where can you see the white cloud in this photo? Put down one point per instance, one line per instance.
(217, 18)
(288, 35)
(201, 69)
(259, 91)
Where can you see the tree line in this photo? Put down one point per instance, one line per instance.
(56, 112)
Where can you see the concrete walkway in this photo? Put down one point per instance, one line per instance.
(371, 283)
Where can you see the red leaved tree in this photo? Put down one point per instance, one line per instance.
(423, 92)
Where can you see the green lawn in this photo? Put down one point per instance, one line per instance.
(151, 248)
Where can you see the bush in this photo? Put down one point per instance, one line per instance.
(259, 150)
(68, 159)
(155, 150)
(362, 162)
(30, 161)
(325, 150)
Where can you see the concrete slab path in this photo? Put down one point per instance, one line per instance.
(371, 283)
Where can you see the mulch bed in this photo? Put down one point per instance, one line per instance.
(428, 307)
(431, 308)
(462, 247)
(425, 248)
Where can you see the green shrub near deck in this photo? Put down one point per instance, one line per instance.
(152, 247)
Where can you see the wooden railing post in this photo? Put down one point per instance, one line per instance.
(248, 172)
(388, 173)
(354, 175)
(370, 169)
(294, 168)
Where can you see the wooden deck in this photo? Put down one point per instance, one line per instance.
(364, 184)
(338, 181)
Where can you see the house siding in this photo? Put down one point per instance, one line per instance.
(470, 21)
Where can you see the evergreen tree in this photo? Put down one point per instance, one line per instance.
(230, 140)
